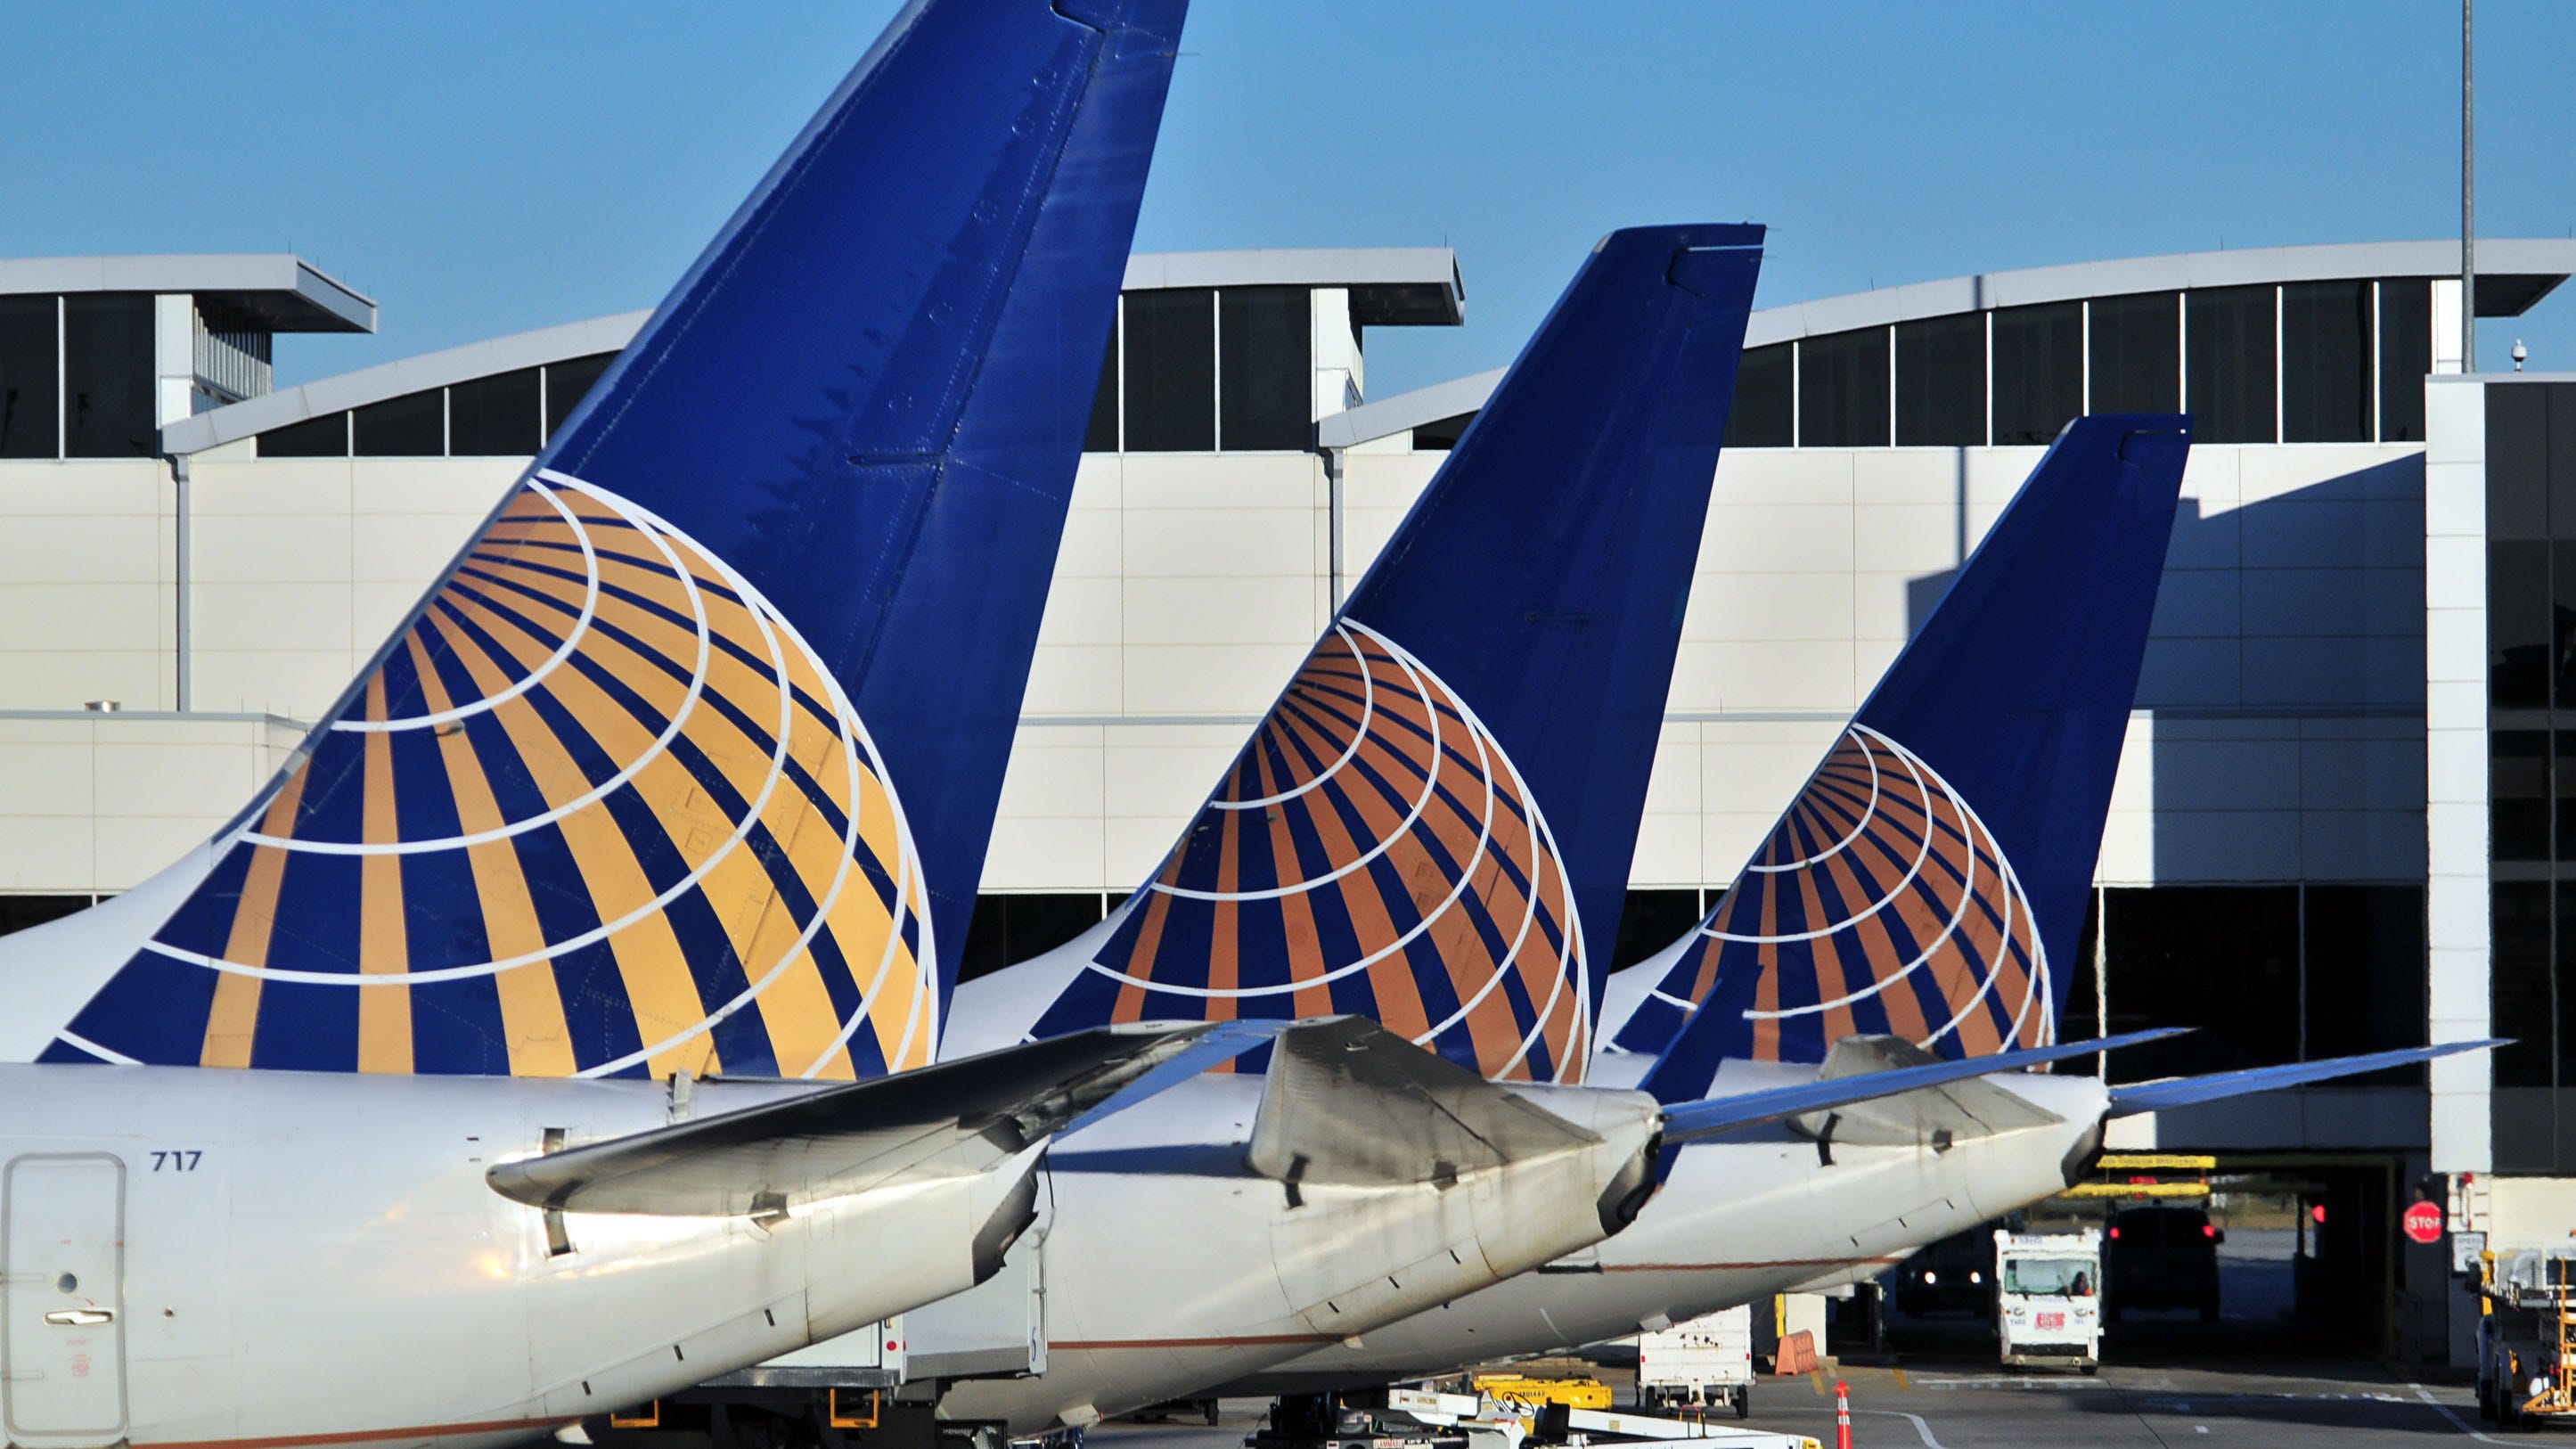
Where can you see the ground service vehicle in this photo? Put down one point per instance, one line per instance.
(1954, 1275)
(2527, 1335)
(1396, 1418)
(2048, 1299)
(2162, 1257)
(1703, 1363)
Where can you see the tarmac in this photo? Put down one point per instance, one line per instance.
(2254, 1380)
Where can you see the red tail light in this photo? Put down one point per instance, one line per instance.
(2115, 1235)
(2207, 1231)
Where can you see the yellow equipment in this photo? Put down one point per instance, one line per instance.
(1572, 1393)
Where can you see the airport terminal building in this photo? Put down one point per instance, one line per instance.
(2335, 827)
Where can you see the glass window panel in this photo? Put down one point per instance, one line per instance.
(2518, 793)
(495, 417)
(2558, 401)
(2325, 362)
(1764, 414)
(1008, 928)
(2562, 792)
(324, 437)
(1265, 368)
(1842, 390)
(107, 376)
(30, 379)
(2520, 624)
(1650, 921)
(2519, 981)
(1100, 435)
(2562, 626)
(2039, 371)
(2078, 1014)
(568, 382)
(2405, 357)
(1171, 372)
(2365, 964)
(2136, 354)
(411, 426)
(2231, 380)
(1941, 381)
(2517, 461)
(2221, 958)
(2562, 1022)
(1441, 436)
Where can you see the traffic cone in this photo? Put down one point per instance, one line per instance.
(1842, 1415)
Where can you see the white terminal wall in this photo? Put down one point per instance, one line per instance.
(2280, 737)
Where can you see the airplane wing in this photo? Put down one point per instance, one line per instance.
(935, 1121)
(1348, 1101)
(1691, 1121)
(2186, 1091)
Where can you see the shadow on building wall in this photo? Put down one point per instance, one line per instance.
(2277, 902)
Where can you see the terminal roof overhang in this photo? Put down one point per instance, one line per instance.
(1389, 287)
(2513, 274)
(347, 390)
(253, 292)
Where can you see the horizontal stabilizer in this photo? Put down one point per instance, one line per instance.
(934, 1122)
(1691, 1121)
(1348, 1102)
(1962, 1111)
(2188, 1091)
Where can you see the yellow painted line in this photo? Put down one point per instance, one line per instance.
(2155, 1161)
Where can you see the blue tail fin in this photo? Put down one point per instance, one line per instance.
(690, 759)
(1929, 880)
(1433, 825)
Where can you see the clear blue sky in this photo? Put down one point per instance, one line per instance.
(482, 168)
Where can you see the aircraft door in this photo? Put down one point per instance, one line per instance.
(62, 1275)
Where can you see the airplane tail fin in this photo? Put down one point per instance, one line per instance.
(1433, 825)
(1929, 880)
(689, 760)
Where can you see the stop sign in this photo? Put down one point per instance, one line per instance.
(2423, 1223)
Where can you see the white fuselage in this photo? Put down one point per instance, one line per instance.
(1169, 1266)
(1737, 1220)
(210, 1257)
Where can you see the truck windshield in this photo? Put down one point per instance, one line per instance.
(2049, 1277)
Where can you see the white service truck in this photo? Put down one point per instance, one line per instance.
(2048, 1299)
(1700, 1364)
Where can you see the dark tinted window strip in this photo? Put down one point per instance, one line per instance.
(497, 416)
(2039, 371)
(1169, 373)
(1765, 411)
(1842, 390)
(2233, 393)
(1266, 370)
(324, 437)
(107, 376)
(31, 396)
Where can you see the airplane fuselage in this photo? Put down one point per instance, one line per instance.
(216, 1258)
(1169, 1265)
(1737, 1220)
